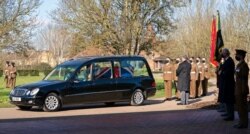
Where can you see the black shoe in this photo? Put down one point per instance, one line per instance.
(168, 99)
(225, 114)
(228, 119)
(180, 104)
(221, 110)
(177, 99)
(240, 126)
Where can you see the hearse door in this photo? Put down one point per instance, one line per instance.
(103, 81)
(125, 82)
(81, 86)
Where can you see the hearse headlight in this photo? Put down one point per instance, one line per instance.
(34, 91)
(12, 91)
(28, 92)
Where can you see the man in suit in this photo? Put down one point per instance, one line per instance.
(194, 76)
(241, 88)
(227, 84)
(183, 74)
(168, 77)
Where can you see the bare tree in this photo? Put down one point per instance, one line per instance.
(119, 26)
(17, 18)
(56, 40)
(194, 28)
(193, 32)
(238, 25)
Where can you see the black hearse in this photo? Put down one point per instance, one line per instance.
(107, 79)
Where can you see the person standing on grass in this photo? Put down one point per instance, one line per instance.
(7, 73)
(12, 76)
(168, 77)
(227, 84)
(241, 88)
(183, 74)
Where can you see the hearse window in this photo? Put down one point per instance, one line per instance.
(62, 73)
(102, 70)
(133, 68)
(127, 70)
(117, 69)
(84, 74)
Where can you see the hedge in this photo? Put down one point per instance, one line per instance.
(23, 72)
(46, 72)
(1, 73)
(34, 73)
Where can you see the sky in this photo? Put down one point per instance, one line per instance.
(43, 19)
(46, 7)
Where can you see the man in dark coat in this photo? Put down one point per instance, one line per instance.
(241, 88)
(183, 74)
(222, 106)
(227, 84)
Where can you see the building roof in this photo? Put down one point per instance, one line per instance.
(160, 58)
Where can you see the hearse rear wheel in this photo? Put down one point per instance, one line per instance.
(52, 103)
(137, 98)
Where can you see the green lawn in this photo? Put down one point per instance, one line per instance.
(160, 92)
(4, 92)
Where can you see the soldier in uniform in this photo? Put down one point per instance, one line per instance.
(204, 82)
(175, 66)
(7, 73)
(200, 77)
(193, 78)
(242, 89)
(168, 77)
(12, 76)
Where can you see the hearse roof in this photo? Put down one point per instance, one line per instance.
(81, 60)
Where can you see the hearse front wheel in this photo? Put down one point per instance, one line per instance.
(52, 103)
(137, 98)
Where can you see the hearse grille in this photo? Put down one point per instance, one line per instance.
(19, 92)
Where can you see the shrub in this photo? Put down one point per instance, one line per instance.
(42, 67)
(46, 72)
(23, 72)
(34, 73)
(1, 73)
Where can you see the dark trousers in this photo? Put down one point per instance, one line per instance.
(204, 84)
(230, 110)
(241, 104)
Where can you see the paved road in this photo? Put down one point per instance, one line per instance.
(158, 122)
(155, 117)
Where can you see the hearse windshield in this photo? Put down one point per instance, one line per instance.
(62, 73)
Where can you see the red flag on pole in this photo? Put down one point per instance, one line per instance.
(213, 43)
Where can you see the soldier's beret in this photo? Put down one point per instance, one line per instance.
(240, 52)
